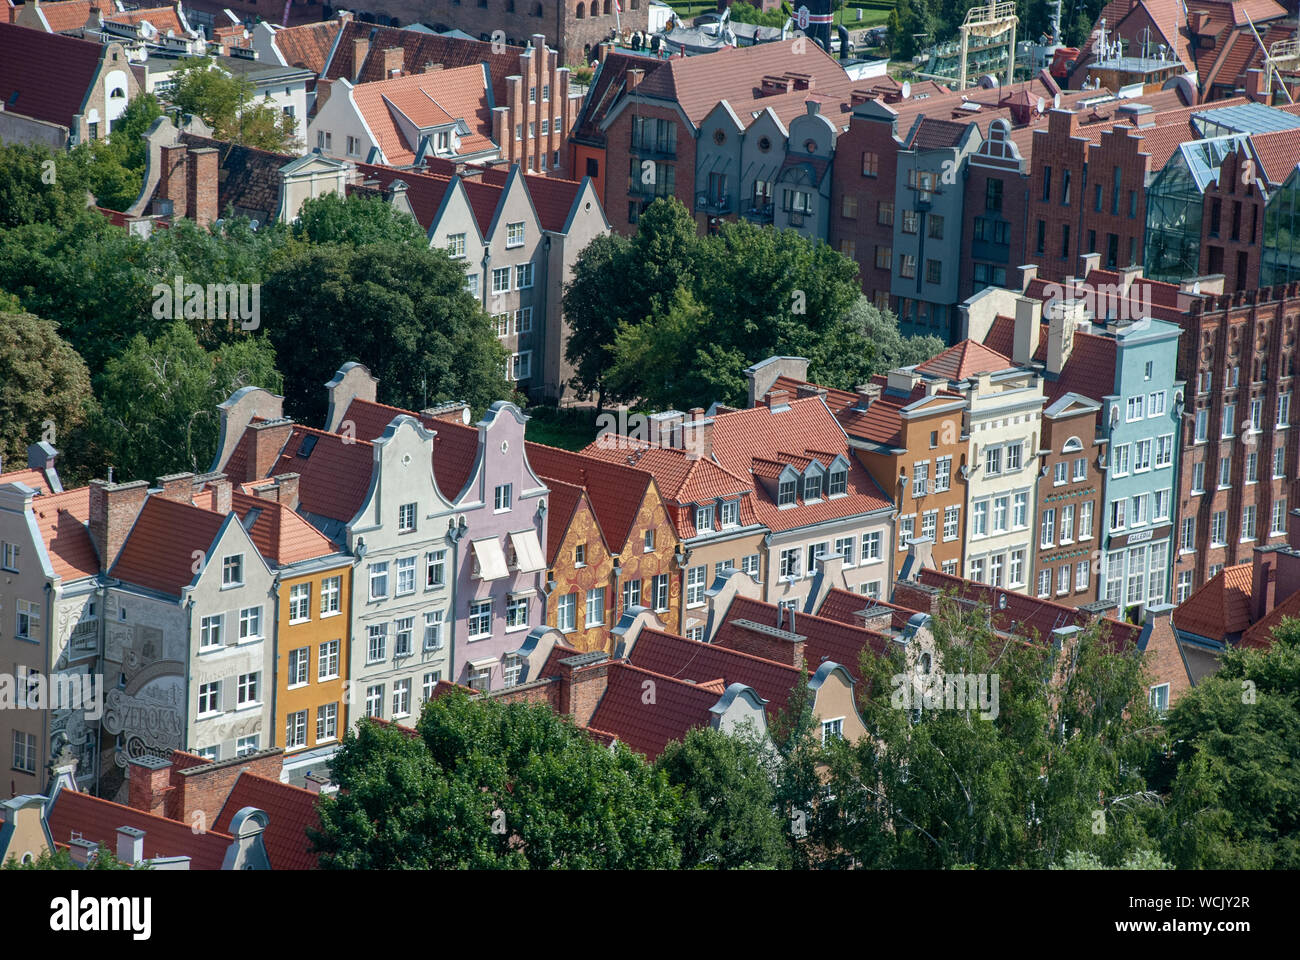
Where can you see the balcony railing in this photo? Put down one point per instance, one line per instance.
(711, 204)
(759, 212)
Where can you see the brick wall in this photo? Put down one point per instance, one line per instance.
(113, 509)
(914, 596)
(202, 789)
(618, 153)
(1058, 148)
(864, 229)
(1232, 227)
(760, 645)
(1163, 661)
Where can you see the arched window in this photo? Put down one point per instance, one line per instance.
(117, 94)
(581, 12)
(606, 8)
(1072, 445)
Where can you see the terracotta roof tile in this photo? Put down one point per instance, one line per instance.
(159, 551)
(69, 14)
(248, 179)
(76, 814)
(678, 707)
(289, 810)
(455, 448)
(565, 500)
(616, 491)
(964, 360)
(63, 519)
(824, 639)
(1221, 608)
(1260, 635)
(163, 18)
(27, 84)
(1089, 372)
(427, 99)
(1278, 153)
(32, 478)
(844, 606)
(607, 89)
(334, 476)
(280, 534)
(693, 660)
(307, 45)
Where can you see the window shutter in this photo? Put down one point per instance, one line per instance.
(230, 629)
(228, 687)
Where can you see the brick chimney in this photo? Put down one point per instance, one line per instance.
(1262, 570)
(221, 494)
(781, 643)
(323, 89)
(394, 57)
(1062, 123)
(868, 393)
(634, 77)
(1255, 85)
(917, 596)
(776, 398)
(173, 179)
(583, 680)
(1089, 262)
(177, 486)
(269, 438)
(287, 484)
(113, 509)
(148, 784)
(267, 491)
(202, 169)
(360, 48)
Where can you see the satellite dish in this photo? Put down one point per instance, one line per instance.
(1056, 101)
(148, 30)
(907, 89)
(455, 141)
(1042, 104)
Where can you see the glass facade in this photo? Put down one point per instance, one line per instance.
(1281, 253)
(1175, 201)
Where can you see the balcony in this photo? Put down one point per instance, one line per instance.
(711, 204)
(758, 212)
(662, 150)
(636, 188)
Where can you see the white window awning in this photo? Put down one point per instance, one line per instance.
(491, 559)
(484, 664)
(528, 552)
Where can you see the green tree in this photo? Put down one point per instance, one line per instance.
(493, 785)
(1235, 738)
(62, 860)
(44, 386)
(729, 818)
(159, 401)
(38, 186)
(228, 104)
(356, 221)
(594, 318)
(891, 349)
(115, 167)
(403, 309)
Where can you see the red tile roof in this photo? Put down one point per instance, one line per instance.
(616, 491)
(289, 810)
(280, 534)
(455, 448)
(805, 427)
(1278, 153)
(54, 96)
(159, 550)
(1022, 615)
(882, 422)
(334, 477)
(565, 500)
(607, 89)
(964, 360)
(69, 14)
(32, 478)
(427, 99)
(844, 606)
(307, 45)
(698, 662)
(76, 814)
(1260, 635)
(63, 520)
(1089, 372)
(824, 639)
(163, 18)
(678, 707)
(1221, 608)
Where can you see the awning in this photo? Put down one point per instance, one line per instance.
(491, 559)
(482, 664)
(528, 552)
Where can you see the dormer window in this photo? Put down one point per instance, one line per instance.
(704, 518)
(785, 493)
(812, 487)
(839, 482)
(730, 513)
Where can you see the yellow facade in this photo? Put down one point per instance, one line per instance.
(312, 657)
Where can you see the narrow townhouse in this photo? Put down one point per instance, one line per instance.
(628, 554)
(906, 430)
(1002, 425)
(711, 509)
(312, 616)
(490, 514)
(810, 492)
(50, 616)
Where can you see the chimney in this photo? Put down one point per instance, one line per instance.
(1286, 580)
(1028, 274)
(1088, 262)
(583, 680)
(360, 49)
(1127, 275)
(1262, 570)
(1255, 86)
(82, 850)
(933, 387)
(318, 784)
(95, 21)
(172, 180)
(1139, 114)
(777, 399)
(868, 393)
(41, 456)
(202, 168)
(267, 491)
(1196, 20)
(1029, 319)
(1062, 123)
(877, 618)
(431, 67)
(780, 642)
(269, 438)
(697, 438)
(130, 844)
(148, 783)
(323, 89)
(457, 412)
(809, 390)
(902, 381)
(603, 51)
(394, 57)
(221, 493)
(287, 483)
(113, 509)
(634, 77)
(1062, 320)
(176, 486)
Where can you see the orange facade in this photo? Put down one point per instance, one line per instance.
(313, 639)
